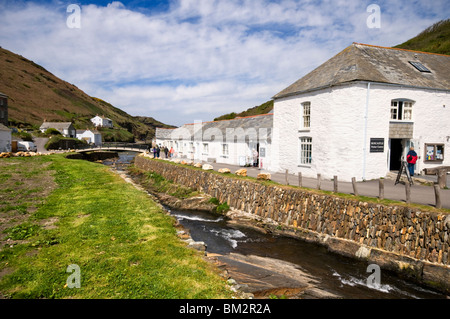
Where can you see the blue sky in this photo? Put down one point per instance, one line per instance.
(181, 61)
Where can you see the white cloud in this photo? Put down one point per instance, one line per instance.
(201, 57)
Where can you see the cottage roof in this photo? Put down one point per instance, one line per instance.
(56, 125)
(3, 94)
(362, 62)
(84, 131)
(250, 125)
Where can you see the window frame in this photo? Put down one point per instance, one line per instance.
(305, 151)
(225, 150)
(402, 107)
(205, 148)
(305, 116)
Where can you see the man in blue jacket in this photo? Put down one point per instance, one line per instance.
(411, 158)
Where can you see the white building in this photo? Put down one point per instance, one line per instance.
(357, 114)
(65, 128)
(5, 139)
(101, 121)
(90, 137)
(228, 141)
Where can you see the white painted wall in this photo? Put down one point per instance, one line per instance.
(5, 140)
(340, 134)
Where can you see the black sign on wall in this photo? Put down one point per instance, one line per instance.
(376, 145)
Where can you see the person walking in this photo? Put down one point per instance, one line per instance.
(411, 158)
(255, 158)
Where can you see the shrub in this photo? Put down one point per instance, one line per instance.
(58, 141)
(52, 131)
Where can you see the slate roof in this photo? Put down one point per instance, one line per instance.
(56, 125)
(4, 128)
(362, 62)
(250, 126)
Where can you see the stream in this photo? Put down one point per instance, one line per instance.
(265, 262)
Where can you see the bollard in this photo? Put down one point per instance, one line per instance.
(381, 189)
(355, 189)
(335, 184)
(408, 192)
(318, 181)
(299, 179)
(437, 194)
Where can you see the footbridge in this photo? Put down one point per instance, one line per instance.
(130, 147)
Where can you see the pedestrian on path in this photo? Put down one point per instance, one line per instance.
(411, 158)
(255, 158)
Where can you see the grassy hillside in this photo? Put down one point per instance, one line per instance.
(256, 110)
(36, 94)
(435, 39)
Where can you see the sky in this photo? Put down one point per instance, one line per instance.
(182, 61)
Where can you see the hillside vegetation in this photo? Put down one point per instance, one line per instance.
(435, 39)
(36, 95)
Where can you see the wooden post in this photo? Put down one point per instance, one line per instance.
(299, 179)
(355, 189)
(318, 181)
(335, 184)
(437, 194)
(381, 189)
(408, 192)
(286, 177)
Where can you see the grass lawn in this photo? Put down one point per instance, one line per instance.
(80, 213)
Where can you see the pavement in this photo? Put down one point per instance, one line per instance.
(422, 191)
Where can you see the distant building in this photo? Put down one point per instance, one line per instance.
(357, 114)
(65, 128)
(101, 121)
(229, 141)
(5, 139)
(91, 137)
(3, 109)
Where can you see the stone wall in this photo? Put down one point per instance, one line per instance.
(399, 238)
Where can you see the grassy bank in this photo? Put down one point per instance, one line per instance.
(124, 245)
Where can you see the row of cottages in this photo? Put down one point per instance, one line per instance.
(358, 114)
(242, 141)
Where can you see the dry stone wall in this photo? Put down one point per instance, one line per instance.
(396, 237)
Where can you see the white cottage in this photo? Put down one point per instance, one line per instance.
(357, 114)
(5, 139)
(90, 137)
(65, 128)
(229, 141)
(101, 121)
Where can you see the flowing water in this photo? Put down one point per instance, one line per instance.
(342, 276)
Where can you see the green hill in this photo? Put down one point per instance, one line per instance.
(36, 95)
(435, 39)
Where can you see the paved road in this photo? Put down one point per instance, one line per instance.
(420, 194)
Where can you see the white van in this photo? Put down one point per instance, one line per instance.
(25, 146)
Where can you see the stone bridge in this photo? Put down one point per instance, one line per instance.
(131, 147)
